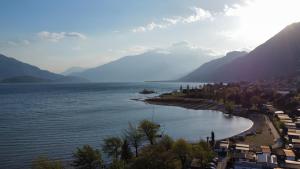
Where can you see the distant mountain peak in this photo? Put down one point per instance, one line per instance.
(153, 65)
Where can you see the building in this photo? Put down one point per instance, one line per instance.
(289, 154)
(247, 165)
(290, 125)
(265, 155)
(293, 134)
(278, 112)
(292, 164)
(242, 147)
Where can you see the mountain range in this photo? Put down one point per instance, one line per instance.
(277, 57)
(14, 71)
(154, 65)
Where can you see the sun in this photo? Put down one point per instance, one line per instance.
(262, 19)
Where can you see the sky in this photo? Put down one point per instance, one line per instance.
(59, 34)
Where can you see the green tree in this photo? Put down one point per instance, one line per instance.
(155, 157)
(182, 150)
(166, 142)
(150, 130)
(126, 153)
(134, 136)
(112, 146)
(45, 163)
(229, 107)
(203, 153)
(87, 158)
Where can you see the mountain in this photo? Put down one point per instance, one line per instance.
(14, 71)
(212, 66)
(72, 70)
(24, 79)
(155, 65)
(10, 67)
(277, 57)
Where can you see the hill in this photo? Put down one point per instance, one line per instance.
(277, 57)
(14, 71)
(212, 66)
(10, 67)
(24, 79)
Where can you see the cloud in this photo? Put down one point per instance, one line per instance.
(233, 10)
(15, 43)
(198, 15)
(151, 26)
(58, 36)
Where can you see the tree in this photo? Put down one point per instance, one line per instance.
(134, 136)
(87, 158)
(126, 151)
(118, 164)
(256, 101)
(182, 149)
(188, 89)
(150, 130)
(112, 146)
(45, 163)
(212, 143)
(166, 142)
(229, 107)
(155, 157)
(203, 153)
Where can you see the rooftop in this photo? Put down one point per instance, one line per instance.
(279, 112)
(289, 153)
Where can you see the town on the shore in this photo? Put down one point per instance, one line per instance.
(274, 107)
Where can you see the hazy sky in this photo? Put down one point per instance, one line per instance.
(58, 34)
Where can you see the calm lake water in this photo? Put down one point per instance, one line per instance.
(54, 119)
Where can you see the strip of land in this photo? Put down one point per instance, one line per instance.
(262, 132)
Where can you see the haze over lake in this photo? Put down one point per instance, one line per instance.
(54, 119)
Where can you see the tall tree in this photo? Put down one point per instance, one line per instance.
(182, 149)
(126, 153)
(87, 158)
(112, 146)
(203, 153)
(212, 143)
(134, 136)
(166, 142)
(150, 130)
(229, 107)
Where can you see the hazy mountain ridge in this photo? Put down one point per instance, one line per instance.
(157, 65)
(277, 57)
(72, 70)
(10, 67)
(14, 71)
(212, 66)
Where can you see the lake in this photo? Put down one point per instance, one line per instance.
(54, 119)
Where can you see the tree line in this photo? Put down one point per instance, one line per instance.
(140, 147)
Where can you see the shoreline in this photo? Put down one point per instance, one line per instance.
(201, 104)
